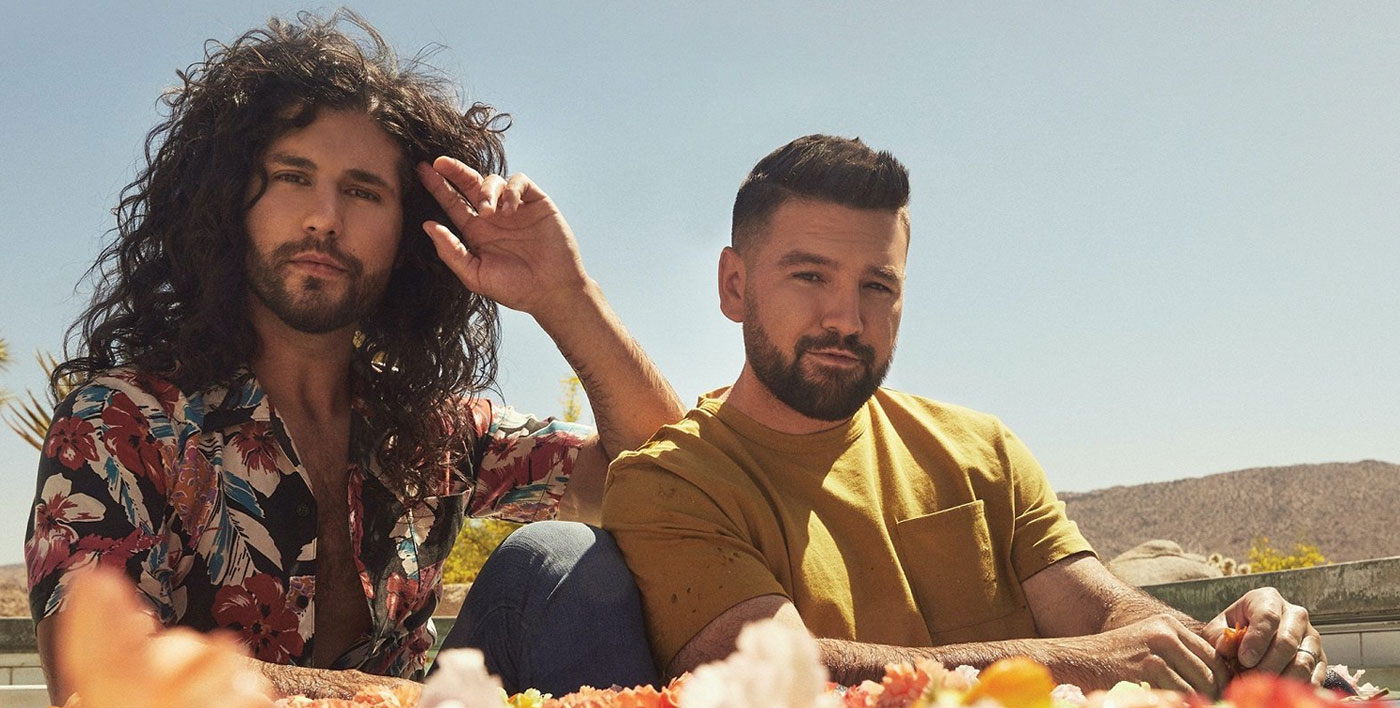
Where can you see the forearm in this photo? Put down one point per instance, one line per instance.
(1078, 595)
(852, 662)
(1132, 604)
(629, 396)
(321, 683)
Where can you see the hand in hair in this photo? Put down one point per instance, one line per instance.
(514, 245)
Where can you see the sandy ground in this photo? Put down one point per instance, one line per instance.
(14, 601)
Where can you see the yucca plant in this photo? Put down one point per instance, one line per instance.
(30, 419)
(4, 364)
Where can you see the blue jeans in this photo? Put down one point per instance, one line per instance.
(555, 608)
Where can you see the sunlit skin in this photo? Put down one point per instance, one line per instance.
(333, 204)
(819, 267)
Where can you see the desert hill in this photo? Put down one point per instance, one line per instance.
(1347, 509)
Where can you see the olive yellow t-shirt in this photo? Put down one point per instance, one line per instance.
(911, 525)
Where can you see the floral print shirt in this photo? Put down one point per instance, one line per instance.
(201, 499)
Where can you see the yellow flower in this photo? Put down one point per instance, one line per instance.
(530, 698)
(1018, 681)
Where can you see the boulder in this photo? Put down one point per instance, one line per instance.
(1161, 561)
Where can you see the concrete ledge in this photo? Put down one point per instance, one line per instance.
(24, 696)
(1360, 592)
(17, 635)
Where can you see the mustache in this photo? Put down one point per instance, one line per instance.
(850, 344)
(284, 253)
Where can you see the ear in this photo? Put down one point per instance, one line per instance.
(731, 284)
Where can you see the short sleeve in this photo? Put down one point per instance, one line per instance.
(523, 463)
(692, 560)
(101, 497)
(1043, 533)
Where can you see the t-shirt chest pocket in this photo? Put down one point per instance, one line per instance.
(953, 571)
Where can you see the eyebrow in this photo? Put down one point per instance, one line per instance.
(792, 258)
(355, 173)
(885, 273)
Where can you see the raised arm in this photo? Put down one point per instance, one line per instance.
(513, 246)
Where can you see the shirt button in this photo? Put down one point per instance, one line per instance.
(303, 510)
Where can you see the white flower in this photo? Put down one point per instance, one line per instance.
(461, 681)
(775, 666)
(1068, 694)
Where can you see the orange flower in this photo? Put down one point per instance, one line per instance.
(1229, 647)
(639, 697)
(1256, 690)
(1018, 681)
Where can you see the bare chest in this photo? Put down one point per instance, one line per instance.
(342, 612)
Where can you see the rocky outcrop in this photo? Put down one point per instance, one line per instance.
(1161, 561)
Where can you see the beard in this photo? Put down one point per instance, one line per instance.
(312, 308)
(829, 395)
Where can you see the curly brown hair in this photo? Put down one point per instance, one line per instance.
(170, 290)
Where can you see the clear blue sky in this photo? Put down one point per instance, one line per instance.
(1159, 240)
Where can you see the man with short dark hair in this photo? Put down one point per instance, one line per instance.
(890, 526)
(276, 429)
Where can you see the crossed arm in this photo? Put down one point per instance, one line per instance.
(1095, 630)
(512, 245)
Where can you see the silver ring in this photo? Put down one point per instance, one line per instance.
(1309, 652)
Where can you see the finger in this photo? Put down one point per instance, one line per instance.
(1206, 670)
(488, 196)
(1262, 624)
(1283, 650)
(1182, 657)
(1170, 680)
(450, 249)
(529, 191)
(1319, 670)
(1214, 630)
(1309, 662)
(459, 173)
(1303, 665)
(514, 194)
(449, 197)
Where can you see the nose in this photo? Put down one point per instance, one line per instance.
(323, 215)
(842, 314)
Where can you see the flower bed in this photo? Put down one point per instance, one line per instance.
(113, 652)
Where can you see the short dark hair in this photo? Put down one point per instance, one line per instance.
(170, 288)
(823, 167)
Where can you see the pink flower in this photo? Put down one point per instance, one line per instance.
(58, 509)
(128, 438)
(258, 611)
(71, 442)
(256, 443)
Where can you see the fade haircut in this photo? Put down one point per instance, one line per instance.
(827, 168)
(170, 291)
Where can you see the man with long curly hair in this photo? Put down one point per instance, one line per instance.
(277, 430)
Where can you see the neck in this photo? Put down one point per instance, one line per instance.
(749, 396)
(306, 373)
